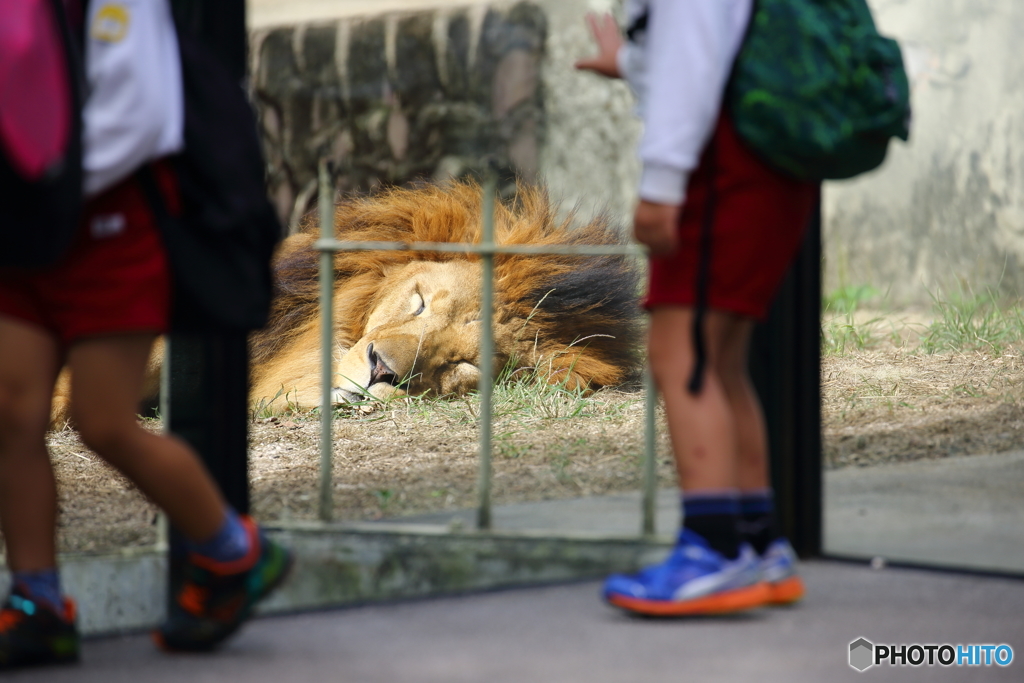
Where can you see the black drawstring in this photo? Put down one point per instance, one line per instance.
(703, 276)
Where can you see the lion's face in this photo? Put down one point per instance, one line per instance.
(422, 335)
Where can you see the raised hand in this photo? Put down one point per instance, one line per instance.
(609, 39)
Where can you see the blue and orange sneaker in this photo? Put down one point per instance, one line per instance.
(31, 633)
(693, 580)
(778, 572)
(215, 598)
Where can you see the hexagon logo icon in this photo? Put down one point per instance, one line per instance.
(862, 654)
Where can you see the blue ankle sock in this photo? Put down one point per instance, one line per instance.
(42, 586)
(230, 543)
(758, 524)
(757, 502)
(713, 515)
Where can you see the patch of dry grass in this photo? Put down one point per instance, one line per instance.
(914, 385)
(418, 456)
(891, 405)
(884, 401)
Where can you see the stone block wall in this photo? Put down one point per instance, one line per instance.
(397, 98)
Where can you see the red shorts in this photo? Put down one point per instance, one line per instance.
(114, 278)
(759, 222)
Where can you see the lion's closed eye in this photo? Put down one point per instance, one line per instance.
(418, 304)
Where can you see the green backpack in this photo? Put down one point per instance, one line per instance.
(816, 91)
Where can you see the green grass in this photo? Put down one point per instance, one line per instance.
(969, 322)
(962, 321)
(520, 399)
(840, 336)
(841, 332)
(848, 299)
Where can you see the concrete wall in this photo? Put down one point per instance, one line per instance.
(348, 564)
(589, 151)
(947, 209)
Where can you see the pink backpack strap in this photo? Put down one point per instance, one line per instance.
(36, 103)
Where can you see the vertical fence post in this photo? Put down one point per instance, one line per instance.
(650, 456)
(326, 206)
(483, 517)
(207, 375)
(785, 364)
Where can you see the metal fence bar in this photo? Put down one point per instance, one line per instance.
(326, 206)
(472, 248)
(327, 245)
(650, 492)
(483, 513)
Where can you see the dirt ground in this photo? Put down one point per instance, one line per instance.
(879, 405)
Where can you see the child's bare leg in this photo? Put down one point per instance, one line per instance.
(29, 362)
(106, 385)
(731, 365)
(759, 524)
(702, 427)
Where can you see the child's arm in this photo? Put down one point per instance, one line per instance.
(689, 51)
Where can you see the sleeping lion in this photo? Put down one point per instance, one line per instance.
(408, 323)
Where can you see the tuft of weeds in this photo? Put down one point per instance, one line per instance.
(969, 322)
(848, 299)
(384, 498)
(263, 408)
(841, 336)
(841, 331)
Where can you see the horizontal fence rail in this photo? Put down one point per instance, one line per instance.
(486, 249)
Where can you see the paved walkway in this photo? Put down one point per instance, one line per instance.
(960, 511)
(965, 511)
(565, 634)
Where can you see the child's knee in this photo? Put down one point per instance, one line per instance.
(106, 437)
(21, 414)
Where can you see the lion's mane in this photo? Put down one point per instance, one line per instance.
(585, 301)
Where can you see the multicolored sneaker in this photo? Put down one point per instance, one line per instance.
(216, 598)
(778, 572)
(32, 633)
(693, 580)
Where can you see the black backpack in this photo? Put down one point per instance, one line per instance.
(39, 205)
(221, 245)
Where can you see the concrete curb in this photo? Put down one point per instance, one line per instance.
(348, 564)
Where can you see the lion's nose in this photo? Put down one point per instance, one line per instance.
(379, 370)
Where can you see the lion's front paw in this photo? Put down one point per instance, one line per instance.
(340, 396)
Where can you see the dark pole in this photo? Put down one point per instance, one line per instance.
(208, 374)
(220, 26)
(785, 363)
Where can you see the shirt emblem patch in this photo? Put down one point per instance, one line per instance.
(110, 24)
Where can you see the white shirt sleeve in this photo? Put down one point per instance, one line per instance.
(680, 77)
(134, 111)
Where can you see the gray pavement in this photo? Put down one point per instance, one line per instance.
(965, 511)
(564, 633)
(955, 511)
(616, 515)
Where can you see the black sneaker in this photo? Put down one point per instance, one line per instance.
(32, 633)
(216, 598)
